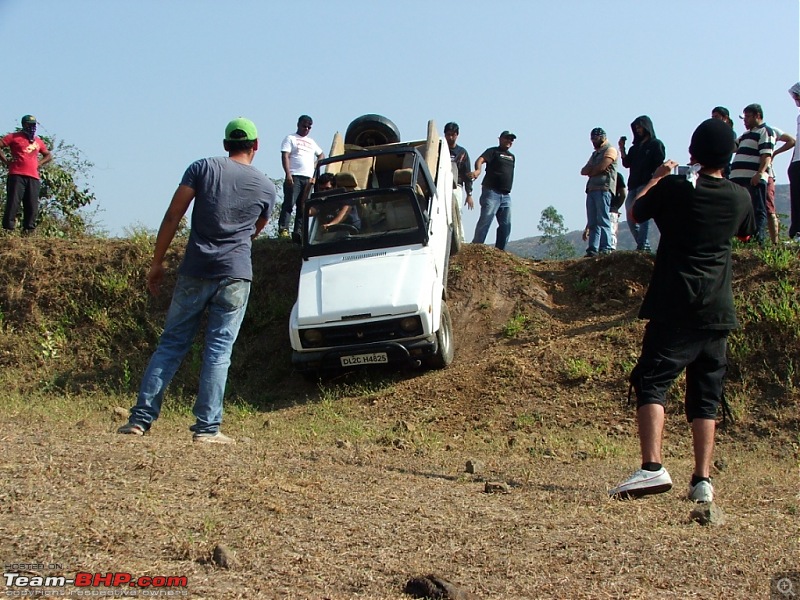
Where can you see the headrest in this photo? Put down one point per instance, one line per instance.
(346, 179)
(402, 177)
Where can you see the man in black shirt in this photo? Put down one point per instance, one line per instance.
(496, 190)
(461, 158)
(645, 155)
(689, 304)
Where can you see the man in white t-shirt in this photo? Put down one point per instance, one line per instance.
(794, 175)
(773, 221)
(299, 156)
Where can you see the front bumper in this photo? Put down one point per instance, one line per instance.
(398, 353)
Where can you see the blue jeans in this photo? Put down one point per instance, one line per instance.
(225, 300)
(639, 231)
(758, 196)
(598, 219)
(494, 204)
(291, 195)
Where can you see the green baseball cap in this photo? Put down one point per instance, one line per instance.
(29, 120)
(241, 130)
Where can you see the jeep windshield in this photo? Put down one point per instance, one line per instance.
(351, 221)
(379, 199)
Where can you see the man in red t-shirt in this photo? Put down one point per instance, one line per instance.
(23, 173)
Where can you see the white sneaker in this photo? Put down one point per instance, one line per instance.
(702, 492)
(643, 483)
(213, 438)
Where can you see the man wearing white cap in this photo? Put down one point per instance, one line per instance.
(750, 167)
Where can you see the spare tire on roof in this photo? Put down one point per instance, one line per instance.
(371, 130)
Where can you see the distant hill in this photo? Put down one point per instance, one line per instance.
(782, 202)
(531, 247)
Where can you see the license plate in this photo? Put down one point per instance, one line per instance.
(373, 358)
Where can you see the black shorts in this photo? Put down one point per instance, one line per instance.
(668, 350)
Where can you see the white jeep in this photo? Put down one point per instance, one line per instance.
(376, 248)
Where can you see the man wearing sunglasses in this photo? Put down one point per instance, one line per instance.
(299, 156)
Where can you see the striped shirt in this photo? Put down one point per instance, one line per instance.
(753, 144)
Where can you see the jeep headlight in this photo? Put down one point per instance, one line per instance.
(409, 324)
(312, 337)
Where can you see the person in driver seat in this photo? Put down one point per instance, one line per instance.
(334, 213)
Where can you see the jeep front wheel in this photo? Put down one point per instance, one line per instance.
(457, 233)
(444, 342)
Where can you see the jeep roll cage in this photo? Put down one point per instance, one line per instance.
(387, 191)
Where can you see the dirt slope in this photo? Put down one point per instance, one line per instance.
(75, 318)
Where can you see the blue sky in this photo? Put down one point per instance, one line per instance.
(143, 88)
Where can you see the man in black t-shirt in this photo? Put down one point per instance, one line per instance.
(689, 304)
(460, 157)
(495, 198)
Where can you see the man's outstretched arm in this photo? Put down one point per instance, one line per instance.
(166, 233)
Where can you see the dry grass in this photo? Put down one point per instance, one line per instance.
(326, 516)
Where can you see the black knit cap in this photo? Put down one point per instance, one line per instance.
(712, 143)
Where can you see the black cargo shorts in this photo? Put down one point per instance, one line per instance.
(668, 350)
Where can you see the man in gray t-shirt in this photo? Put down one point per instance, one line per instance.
(230, 197)
(232, 202)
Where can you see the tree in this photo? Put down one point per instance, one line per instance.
(62, 194)
(271, 230)
(272, 227)
(551, 224)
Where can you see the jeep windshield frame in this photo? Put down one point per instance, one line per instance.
(381, 200)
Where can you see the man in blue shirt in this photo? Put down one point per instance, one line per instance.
(232, 202)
